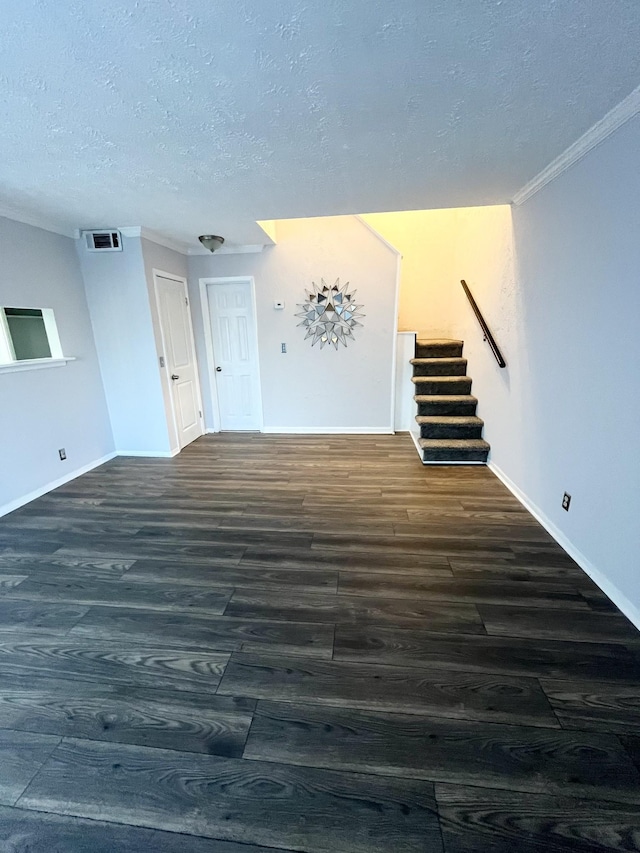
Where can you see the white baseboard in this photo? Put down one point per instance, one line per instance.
(55, 484)
(328, 431)
(629, 609)
(316, 431)
(414, 438)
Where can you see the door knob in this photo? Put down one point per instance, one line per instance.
(175, 376)
(218, 369)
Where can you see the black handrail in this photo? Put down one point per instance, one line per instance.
(485, 329)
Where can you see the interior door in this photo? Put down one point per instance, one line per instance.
(180, 360)
(233, 332)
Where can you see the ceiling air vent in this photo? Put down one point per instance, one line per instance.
(103, 241)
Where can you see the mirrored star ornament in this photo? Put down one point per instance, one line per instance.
(330, 314)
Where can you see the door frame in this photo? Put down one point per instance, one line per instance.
(171, 416)
(205, 283)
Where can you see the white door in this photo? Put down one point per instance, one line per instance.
(233, 333)
(180, 359)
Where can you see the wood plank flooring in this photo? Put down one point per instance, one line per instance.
(309, 644)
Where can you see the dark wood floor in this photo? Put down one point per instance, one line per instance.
(312, 644)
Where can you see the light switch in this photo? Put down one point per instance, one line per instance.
(279, 306)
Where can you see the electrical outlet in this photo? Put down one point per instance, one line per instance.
(62, 453)
(283, 347)
(566, 501)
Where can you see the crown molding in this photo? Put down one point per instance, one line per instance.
(239, 249)
(185, 248)
(154, 237)
(615, 118)
(35, 220)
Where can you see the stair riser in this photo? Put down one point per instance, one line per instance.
(445, 456)
(461, 409)
(450, 431)
(442, 351)
(427, 385)
(445, 369)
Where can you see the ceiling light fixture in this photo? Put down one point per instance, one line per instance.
(211, 241)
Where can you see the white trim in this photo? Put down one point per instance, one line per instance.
(323, 430)
(178, 279)
(208, 342)
(394, 353)
(396, 307)
(35, 220)
(615, 118)
(230, 249)
(7, 352)
(630, 610)
(55, 484)
(418, 448)
(151, 454)
(153, 236)
(51, 331)
(34, 364)
(377, 234)
(208, 345)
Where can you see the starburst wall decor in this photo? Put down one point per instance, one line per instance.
(330, 314)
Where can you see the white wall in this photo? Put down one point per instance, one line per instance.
(308, 389)
(405, 405)
(565, 308)
(44, 410)
(118, 297)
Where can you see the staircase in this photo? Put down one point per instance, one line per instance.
(449, 428)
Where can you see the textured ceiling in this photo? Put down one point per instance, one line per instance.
(192, 116)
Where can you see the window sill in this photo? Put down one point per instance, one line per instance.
(34, 364)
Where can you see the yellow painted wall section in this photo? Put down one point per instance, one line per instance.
(483, 251)
(426, 241)
(484, 257)
(269, 227)
(438, 248)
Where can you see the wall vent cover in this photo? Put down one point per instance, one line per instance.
(103, 241)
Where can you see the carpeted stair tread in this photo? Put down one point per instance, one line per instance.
(438, 348)
(446, 404)
(453, 450)
(450, 426)
(452, 399)
(442, 384)
(454, 443)
(440, 380)
(468, 420)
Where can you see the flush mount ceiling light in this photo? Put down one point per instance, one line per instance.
(211, 241)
